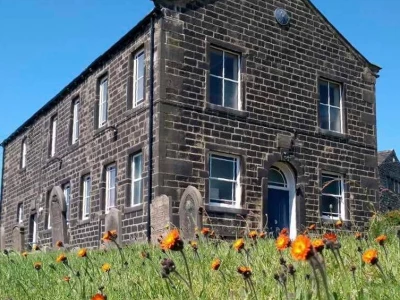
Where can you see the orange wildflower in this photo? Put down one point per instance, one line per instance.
(370, 256)
(110, 236)
(262, 235)
(194, 245)
(245, 271)
(318, 245)
(172, 241)
(24, 254)
(67, 278)
(59, 244)
(301, 248)
(61, 258)
(284, 231)
(99, 297)
(330, 236)
(358, 236)
(253, 234)
(144, 255)
(216, 263)
(37, 265)
(312, 227)
(339, 224)
(36, 247)
(282, 242)
(381, 239)
(238, 245)
(106, 267)
(205, 231)
(82, 252)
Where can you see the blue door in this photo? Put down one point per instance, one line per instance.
(278, 210)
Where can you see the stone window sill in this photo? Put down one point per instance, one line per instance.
(228, 210)
(225, 110)
(83, 222)
(329, 133)
(133, 208)
(132, 112)
(103, 129)
(73, 147)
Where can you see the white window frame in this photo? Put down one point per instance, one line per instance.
(134, 180)
(239, 98)
(110, 189)
(67, 197)
(136, 79)
(86, 197)
(329, 82)
(20, 213)
(34, 231)
(75, 121)
(237, 193)
(53, 136)
(103, 102)
(23, 159)
(341, 201)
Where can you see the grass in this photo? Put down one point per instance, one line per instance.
(133, 277)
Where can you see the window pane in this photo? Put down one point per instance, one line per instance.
(112, 197)
(112, 177)
(331, 187)
(137, 166)
(231, 66)
(216, 65)
(276, 178)
(223, 168)
(231, 94)
(323, 117)
(88, 187)
(334, 94)
(140, 65)
(221, 190)
(330, 204)
(323, 92)
(335, 123)
(137, 192)
(139, 90)
(215, 90)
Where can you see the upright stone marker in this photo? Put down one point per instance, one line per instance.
(113, 221)
(161, 216)
(18, 238)
(189, 217)
(2, 238)
(58, 209)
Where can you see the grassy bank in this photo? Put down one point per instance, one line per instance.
(135, 272)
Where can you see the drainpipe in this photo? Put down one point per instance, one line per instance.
(2, 183)
(150, 134)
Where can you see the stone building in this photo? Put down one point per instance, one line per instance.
(259, 112)
(389, 175)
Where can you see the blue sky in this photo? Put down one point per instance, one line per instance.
(45, 44)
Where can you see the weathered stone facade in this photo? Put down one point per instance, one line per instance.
(389, 175)
(280, 69)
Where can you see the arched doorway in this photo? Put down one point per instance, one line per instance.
(281, 199)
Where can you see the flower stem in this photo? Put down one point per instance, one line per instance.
(316, 281)
(187, 269)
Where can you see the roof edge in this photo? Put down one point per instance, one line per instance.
(83, 75)
(373, 67)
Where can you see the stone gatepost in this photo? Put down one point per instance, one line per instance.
(18, 238)
(161, 216)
